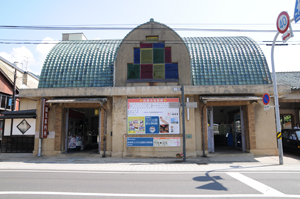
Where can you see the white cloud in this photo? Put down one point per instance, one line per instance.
(35, 59)
(19, 54)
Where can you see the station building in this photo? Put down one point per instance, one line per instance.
(121, 98)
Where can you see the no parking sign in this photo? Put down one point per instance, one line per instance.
(266, 101)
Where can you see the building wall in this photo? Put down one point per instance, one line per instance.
(27, 104)
(179, 52)
(265, 131)
(5, 85)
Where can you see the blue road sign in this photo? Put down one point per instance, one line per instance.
(266, 99)
(138, 141)
(297, 11)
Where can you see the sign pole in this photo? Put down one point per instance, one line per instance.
(183, 122)
(277, 115)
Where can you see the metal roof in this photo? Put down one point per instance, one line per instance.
(289, 78)
(227, 61)
(87, 63)
(214, 61)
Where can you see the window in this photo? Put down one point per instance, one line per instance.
(152, 62)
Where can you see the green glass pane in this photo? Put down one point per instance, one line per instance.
(158, 55)
(159, 71)
(146, 56)
(133, 71)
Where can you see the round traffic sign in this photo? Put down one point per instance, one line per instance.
(283, 22)
(266, 99)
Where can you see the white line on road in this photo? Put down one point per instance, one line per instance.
(266, 190)
(137, 172)
(145, 195)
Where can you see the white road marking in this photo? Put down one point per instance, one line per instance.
(138, 172)
(145, 195)
(264, 189)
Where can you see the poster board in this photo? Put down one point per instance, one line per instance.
(152, 116)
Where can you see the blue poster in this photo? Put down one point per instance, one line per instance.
(152, 124)
(138, 141)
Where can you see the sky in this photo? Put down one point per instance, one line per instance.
(193, 14)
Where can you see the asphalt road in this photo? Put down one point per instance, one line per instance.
(80, 184)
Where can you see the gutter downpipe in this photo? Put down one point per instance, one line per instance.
(99, 130)
(202, 116)
(41, 127)
(104, 139)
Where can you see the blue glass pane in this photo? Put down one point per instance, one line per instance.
(137, 53)
(159, 45)
(171, 71)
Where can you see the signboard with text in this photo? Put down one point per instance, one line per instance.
(45, 116)
(152, 116)
(153, 141)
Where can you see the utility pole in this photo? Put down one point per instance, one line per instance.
(13, 103)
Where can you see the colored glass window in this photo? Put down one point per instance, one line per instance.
(171, 71)
(159, 45)
(146, 45)
(158, 55)
(168, 55)
(137, 55)
(152, 38)
(146, 56)
(133, 71)
(146, 71)
(158, 71)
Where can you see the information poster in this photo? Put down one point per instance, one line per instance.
(152, 116)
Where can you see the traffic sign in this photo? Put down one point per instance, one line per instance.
(267, 107)
(266, 99)
(297, 11)
(286, 36)
(283, 22)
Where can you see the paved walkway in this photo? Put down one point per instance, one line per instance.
(214, 163)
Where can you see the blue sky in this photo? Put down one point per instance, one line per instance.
(207, 14)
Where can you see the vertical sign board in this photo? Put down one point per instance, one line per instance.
(297, 11)
(45, 116)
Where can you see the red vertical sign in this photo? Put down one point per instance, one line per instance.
(45, 119)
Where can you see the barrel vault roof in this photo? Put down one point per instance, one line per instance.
(214, 61)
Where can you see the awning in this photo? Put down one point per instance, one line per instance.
(78, 100)
(230, 98)
(19, 114)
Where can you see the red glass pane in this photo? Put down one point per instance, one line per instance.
(168, 55)
(146, 45)
(146, 71)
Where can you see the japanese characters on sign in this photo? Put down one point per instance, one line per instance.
(45, 114)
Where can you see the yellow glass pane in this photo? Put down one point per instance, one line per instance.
(152, 38)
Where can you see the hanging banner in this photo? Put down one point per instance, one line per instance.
(45, 117)
(152, 116)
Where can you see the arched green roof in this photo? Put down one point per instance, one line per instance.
(227, 61)
(214, 61)
(87, 63)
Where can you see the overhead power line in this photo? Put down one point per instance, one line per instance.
(130, 28)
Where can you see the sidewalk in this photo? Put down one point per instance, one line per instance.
(213, 163)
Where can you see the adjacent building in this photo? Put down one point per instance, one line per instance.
(17, 116)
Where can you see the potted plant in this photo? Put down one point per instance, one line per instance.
(179, 155)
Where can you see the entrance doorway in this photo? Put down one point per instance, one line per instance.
(225, 128)
(82, 134)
